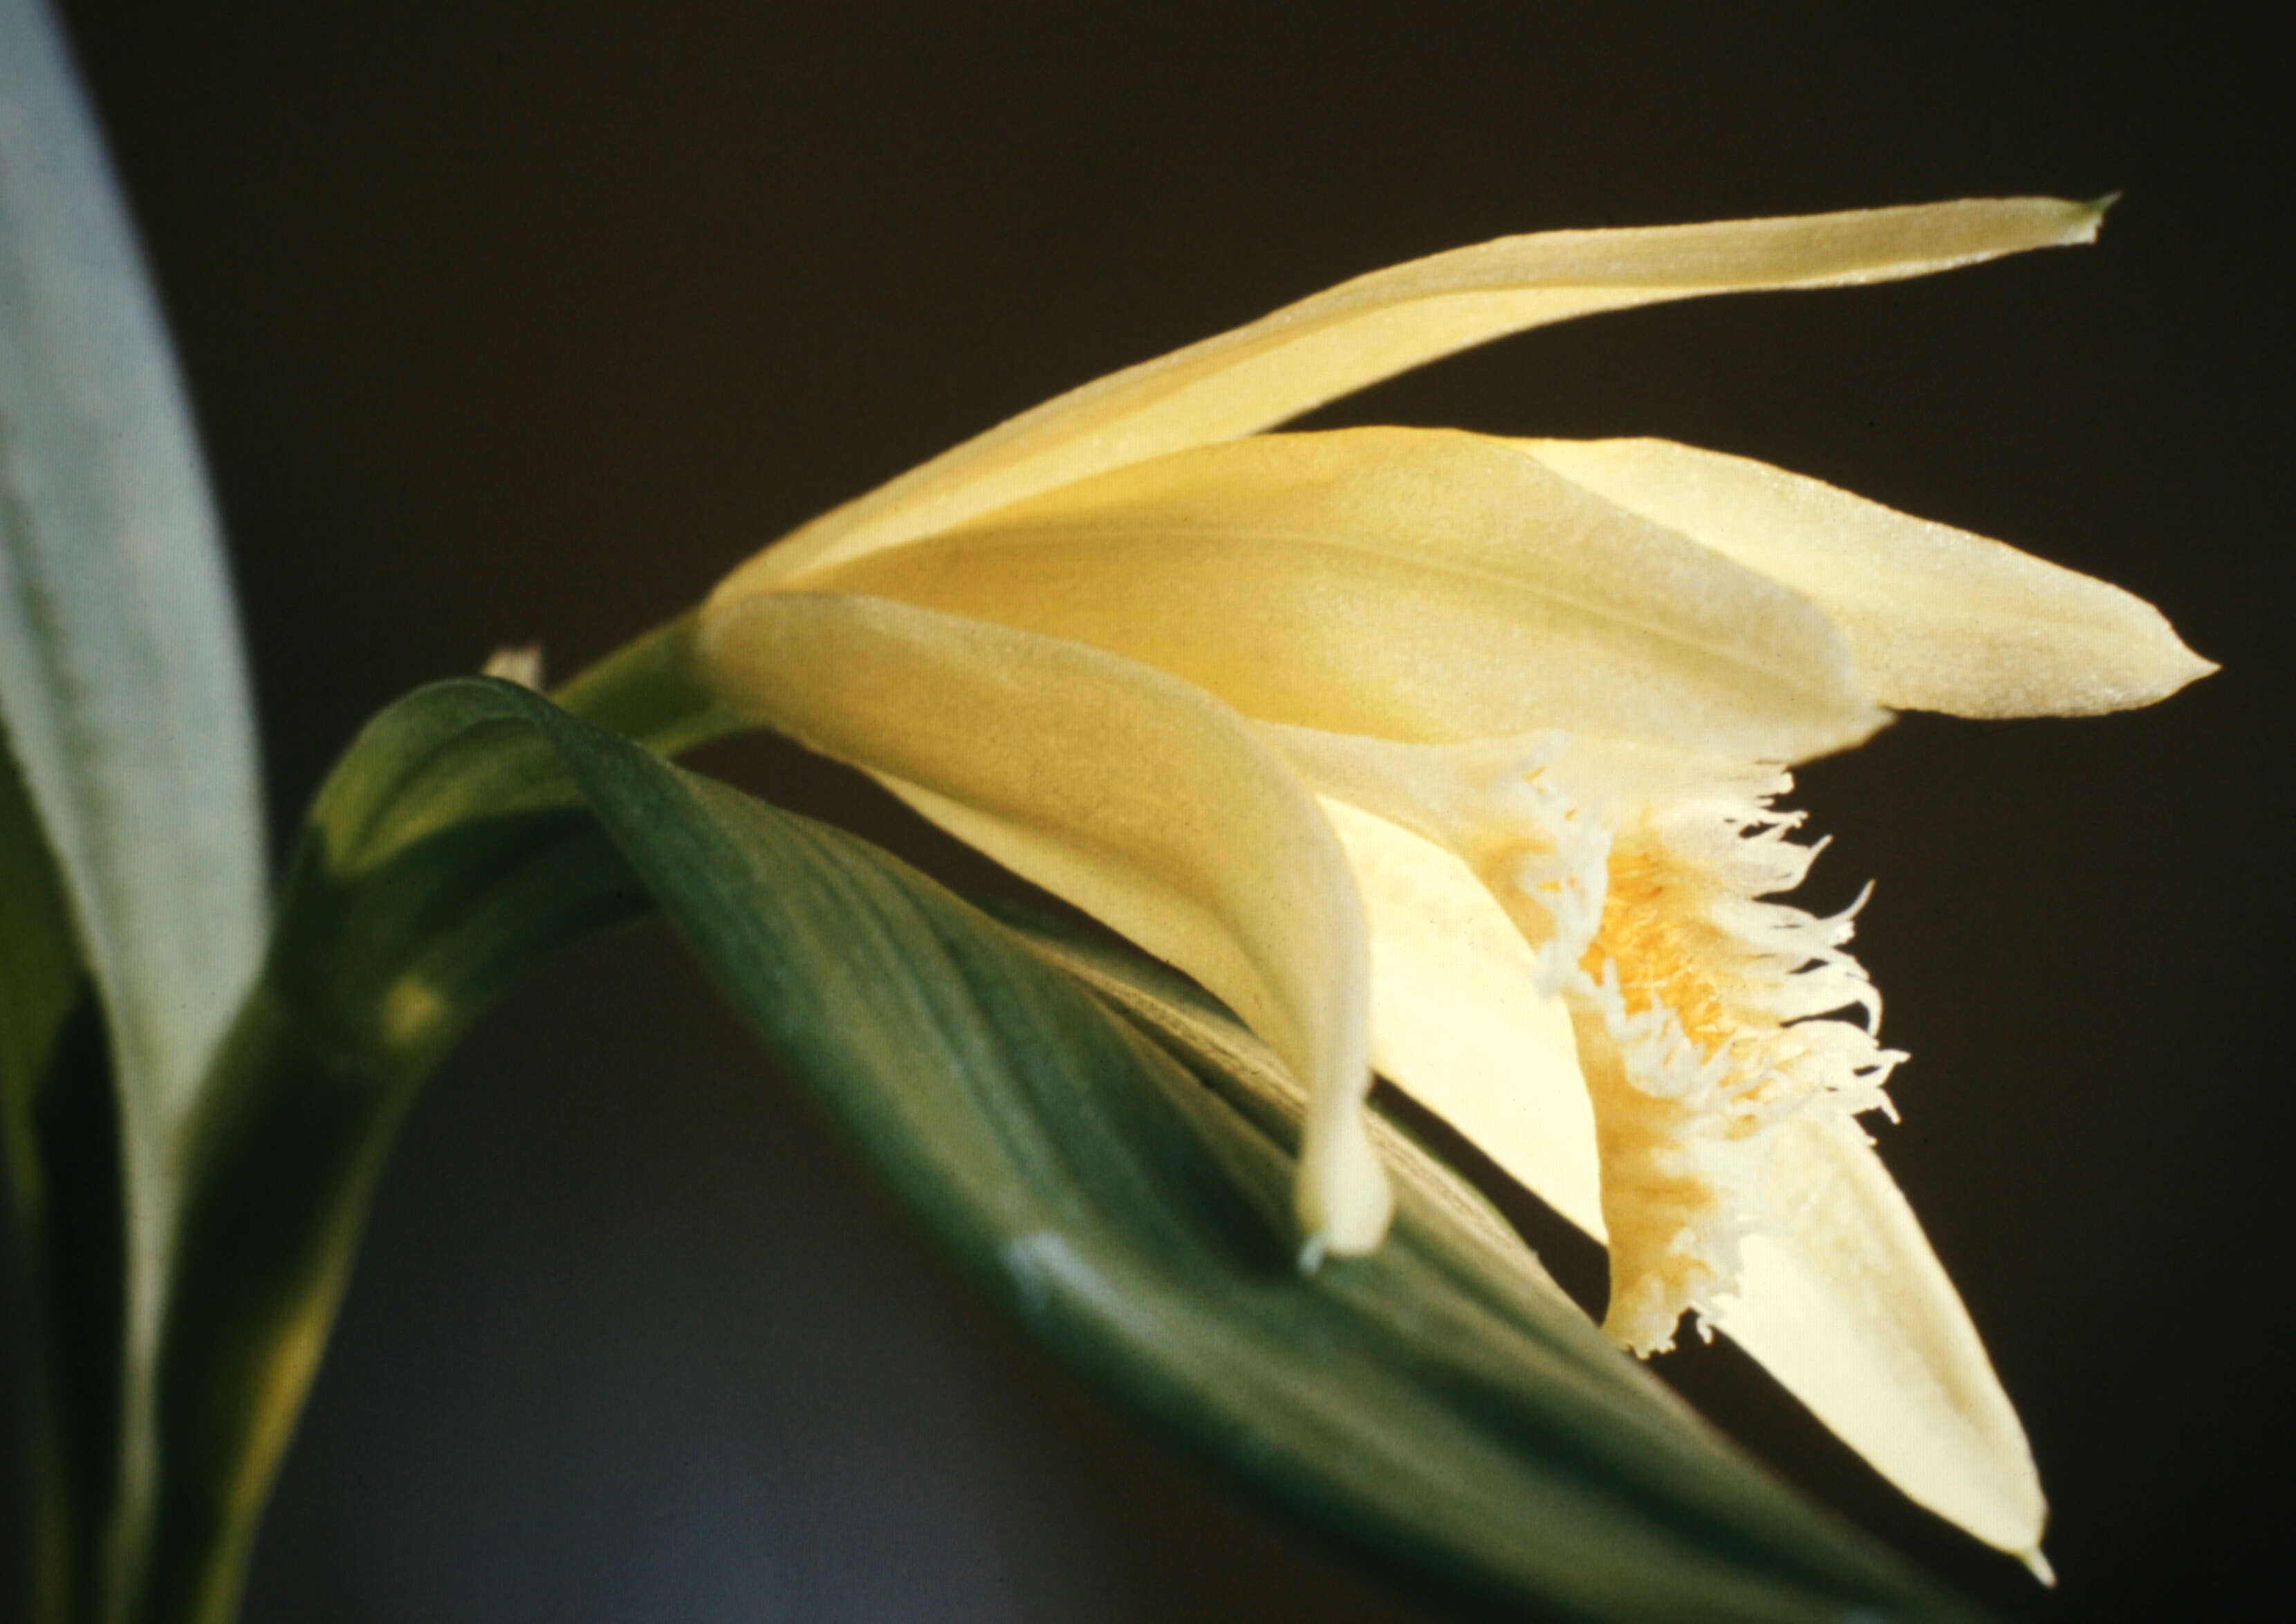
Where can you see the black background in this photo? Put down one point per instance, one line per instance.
(511, 321)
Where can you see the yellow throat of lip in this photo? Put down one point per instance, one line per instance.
(1666, 951)
(1706, 1017)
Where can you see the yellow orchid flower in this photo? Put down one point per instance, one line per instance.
(1455, 757)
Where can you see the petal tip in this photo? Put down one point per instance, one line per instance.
(2038, 1565)
(2196, 666)
(2147, 665)
(2092, 216)
(1344, 1199)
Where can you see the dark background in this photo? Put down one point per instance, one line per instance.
(511, 321)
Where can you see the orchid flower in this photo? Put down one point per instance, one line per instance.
(1457, 758)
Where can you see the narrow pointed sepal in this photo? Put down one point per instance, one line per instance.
(1936, 618)
(1375, 326)
(1849, 1307)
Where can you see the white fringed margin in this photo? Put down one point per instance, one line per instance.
(1548, 822)
(1798, 1014)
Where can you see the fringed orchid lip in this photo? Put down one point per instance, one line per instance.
(1457, 756)
(1704, 1015)
(1695, 1109)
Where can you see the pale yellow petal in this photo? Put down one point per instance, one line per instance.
(1377, 325)
(1406, 583)
(1456, 1022)
(1851, 1311)
(1138, 797)
(1938, 619)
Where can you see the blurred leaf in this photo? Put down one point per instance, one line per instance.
(448, 853)
(132, 783)
(1439, 1404)
(121, 680)
(58, 1132)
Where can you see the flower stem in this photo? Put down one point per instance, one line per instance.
(650, 689)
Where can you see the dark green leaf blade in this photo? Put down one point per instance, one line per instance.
(1435, 1401)
(1437, 1406)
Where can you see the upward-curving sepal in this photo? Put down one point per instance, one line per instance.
(1348, 337)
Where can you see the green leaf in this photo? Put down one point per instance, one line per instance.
(1101, 1147)
(124, 705)
(448, 853)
